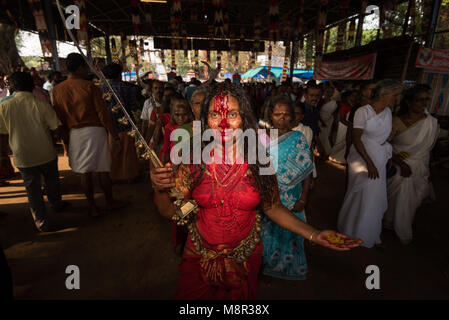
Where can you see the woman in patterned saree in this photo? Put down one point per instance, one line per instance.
(283, 255)
(413, 136)
(223, 254)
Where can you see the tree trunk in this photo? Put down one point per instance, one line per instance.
(9, 56)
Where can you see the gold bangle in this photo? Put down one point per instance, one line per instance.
(311, 236)
(302, 201)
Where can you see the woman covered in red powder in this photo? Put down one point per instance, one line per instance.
(223, 253)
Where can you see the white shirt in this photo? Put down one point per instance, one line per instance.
(47, 86)
(306, 131)
(328, 109)
(148, 108)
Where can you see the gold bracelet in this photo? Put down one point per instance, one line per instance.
(302, 201)
(311, 236)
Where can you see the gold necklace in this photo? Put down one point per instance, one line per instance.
(231, 179)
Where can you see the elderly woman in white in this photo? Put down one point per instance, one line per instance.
(365, 201)
(413, 137)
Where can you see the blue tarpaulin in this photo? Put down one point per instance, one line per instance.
(262, 73)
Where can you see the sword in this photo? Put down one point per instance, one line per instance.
(185, 208)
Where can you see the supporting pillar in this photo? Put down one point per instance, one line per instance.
(48, 11)
(359, 32)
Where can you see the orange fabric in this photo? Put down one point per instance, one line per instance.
(79, 103)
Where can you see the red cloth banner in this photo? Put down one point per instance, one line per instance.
(357, 68)
(435, 59)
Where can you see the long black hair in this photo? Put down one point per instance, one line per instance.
(266, 184)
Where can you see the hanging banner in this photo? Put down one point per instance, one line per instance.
(357, 68)
(82, 32)
(41, 26)
(273, 12)
(135, 16)
(322, 16)
(435, 59)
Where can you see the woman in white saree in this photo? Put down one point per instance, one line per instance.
(413, 137)
(365, 201)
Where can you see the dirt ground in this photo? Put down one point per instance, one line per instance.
(129, 254)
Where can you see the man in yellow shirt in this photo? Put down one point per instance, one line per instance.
(28, 121)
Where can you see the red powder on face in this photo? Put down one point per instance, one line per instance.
(221, 104)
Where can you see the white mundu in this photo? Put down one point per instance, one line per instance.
(327, 115)
(366, 199)
(406, 194)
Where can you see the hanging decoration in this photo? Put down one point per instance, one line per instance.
(309, 52)
(141, 47)
(273, 12)
(270, 52)
(326, 41)
(322, 16)
(253, 59)
(286, 28)
(341, 32)
(226, 23)
(211, 37)
(351, 32)
(82, 32)
(286, 58)
(242, 39)
(193, 14)
(344, 5)
(220, 6)
(388, 14)
(218, 60)
(163, 57)
(135, 16)
(197, 66)
(41, 26)
(173, 60)
(148, 22)
(185, 42)
(123, 43)
(185, 210)
(300, 23)
(114, 51)
(234, 52)
(257, 32)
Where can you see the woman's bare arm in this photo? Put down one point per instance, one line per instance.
(360, 147)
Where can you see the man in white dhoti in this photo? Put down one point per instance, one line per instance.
(365, 201)
(413, 136)
(81, 108)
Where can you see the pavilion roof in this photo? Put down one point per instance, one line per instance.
(114, 16)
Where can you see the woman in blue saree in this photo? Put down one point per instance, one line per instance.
(283, 255)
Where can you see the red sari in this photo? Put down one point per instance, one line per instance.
(227, 216)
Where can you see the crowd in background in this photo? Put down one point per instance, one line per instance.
(380, 130)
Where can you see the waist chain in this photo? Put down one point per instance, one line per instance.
(240, 254)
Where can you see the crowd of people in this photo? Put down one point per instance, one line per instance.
(247, 222)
